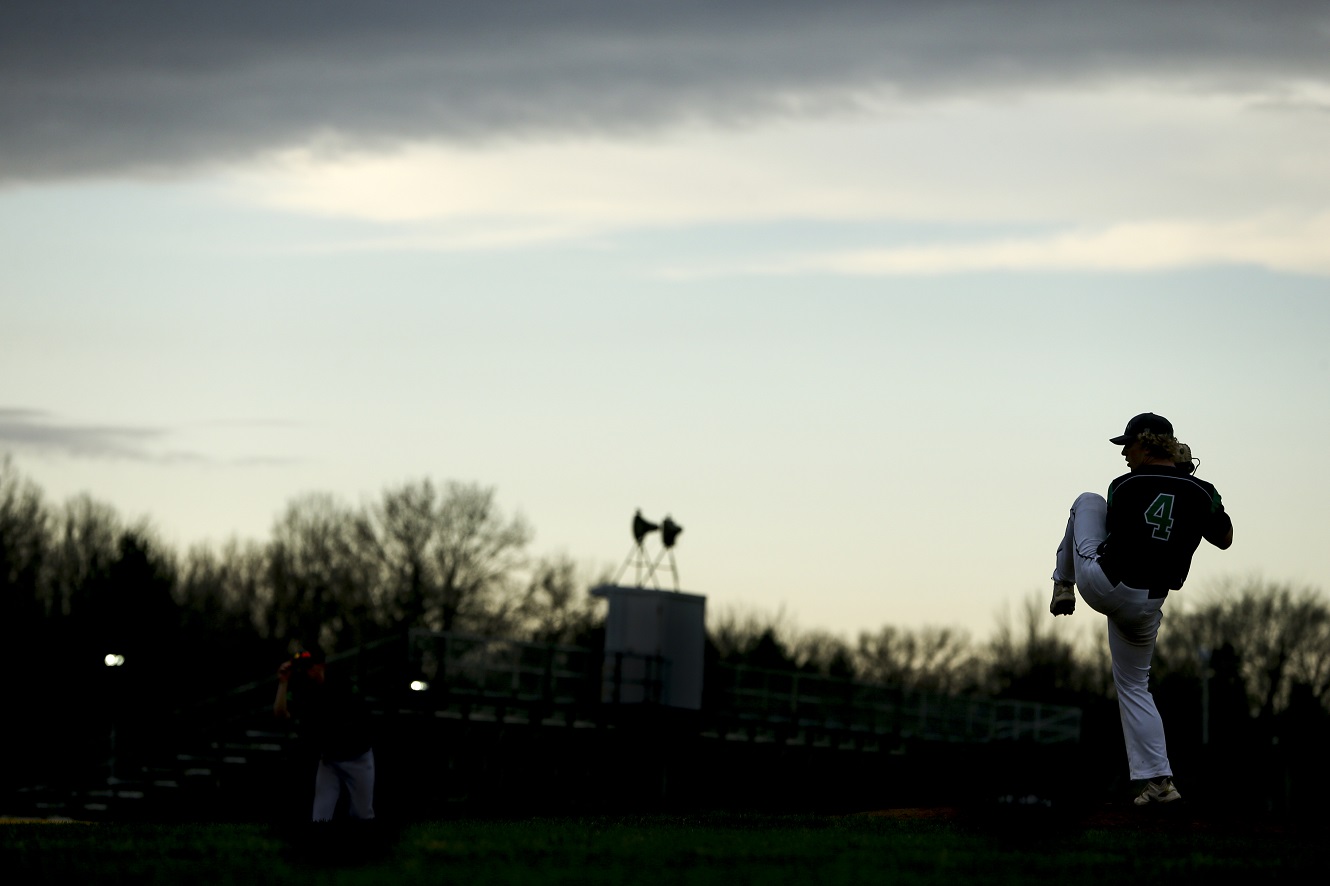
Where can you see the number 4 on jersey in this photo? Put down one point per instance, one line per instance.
(1160, 515)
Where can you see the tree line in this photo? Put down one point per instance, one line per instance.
(78, 582)
(1269, 641)
(443, 557)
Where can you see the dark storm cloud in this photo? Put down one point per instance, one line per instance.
(155, 85)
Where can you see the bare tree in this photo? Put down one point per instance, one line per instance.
(1033, 659)
(1310, 662)
(1279, 634)
(405, 525)
(86, 543)
(229, 585)
(556, 606)
(25, 540)
(935, 658)
(479, 553)
(450, 559)
(823, 653)
(320, 572)
(751, 639)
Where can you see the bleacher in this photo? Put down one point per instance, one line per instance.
(479, 695)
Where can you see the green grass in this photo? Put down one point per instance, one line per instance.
(713, 848)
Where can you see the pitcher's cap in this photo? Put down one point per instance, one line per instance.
(1146, 421)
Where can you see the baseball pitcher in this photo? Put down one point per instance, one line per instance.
(1125, 553)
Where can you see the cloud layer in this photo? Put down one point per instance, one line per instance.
(1124, 180)
(153, 87)
(38, 431)
(32, 429)
(1281, 244)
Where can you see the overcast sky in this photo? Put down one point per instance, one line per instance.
(856, 292)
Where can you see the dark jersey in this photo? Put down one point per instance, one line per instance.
(332, 717)
(1157, 516)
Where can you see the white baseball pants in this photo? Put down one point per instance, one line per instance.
(356, 776)
(1133, 625)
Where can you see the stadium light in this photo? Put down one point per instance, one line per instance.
(113, 660)
(642, 527)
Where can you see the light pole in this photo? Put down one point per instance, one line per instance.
(113, 660)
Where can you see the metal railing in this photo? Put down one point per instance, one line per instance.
(473, 675)
(498, 667)
(810, 701)
(627, 678)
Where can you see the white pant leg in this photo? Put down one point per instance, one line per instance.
(1087, 526)
(327, 788)
(1133, 625)
(1132, 630)
(358, 776)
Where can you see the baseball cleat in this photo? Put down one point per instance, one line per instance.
(1064, 598)
(1157, 790)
